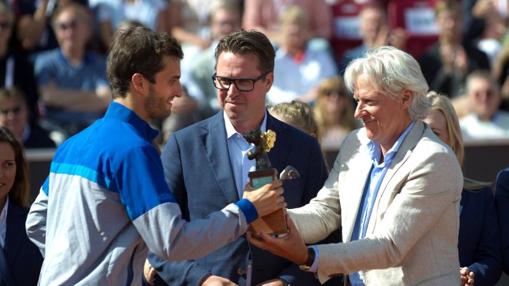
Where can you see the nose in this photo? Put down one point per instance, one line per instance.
(232, 90)
(359, 111)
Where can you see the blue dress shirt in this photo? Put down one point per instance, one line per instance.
(376, 176)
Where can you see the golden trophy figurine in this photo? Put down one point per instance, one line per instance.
(274, 223)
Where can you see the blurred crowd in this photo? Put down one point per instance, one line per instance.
(53, 57)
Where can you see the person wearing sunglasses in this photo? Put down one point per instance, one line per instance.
(72, 79)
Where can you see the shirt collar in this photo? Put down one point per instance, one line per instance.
(230, 130)
(120, 112)
(375, 151)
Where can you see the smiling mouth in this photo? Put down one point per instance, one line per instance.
(367, 121)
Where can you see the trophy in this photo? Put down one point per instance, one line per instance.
(274, 223)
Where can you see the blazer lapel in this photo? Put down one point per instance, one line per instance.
(393, 173)
(352, 188)
(216, 148)
(278, 155)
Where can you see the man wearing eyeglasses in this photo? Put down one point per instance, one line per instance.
(206, 166)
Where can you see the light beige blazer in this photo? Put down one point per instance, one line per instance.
(412, 235)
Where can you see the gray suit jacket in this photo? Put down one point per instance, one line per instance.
(412, 234)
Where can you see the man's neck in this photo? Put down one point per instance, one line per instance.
(135, 106)
(247, 125)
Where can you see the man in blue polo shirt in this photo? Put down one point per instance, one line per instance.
(105, 201)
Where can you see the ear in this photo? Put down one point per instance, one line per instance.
(406, 98)
(138, 83)
(269, 79)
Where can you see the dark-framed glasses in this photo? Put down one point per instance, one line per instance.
(242, 84)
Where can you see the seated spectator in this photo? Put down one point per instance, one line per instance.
(298, 69)
(416, 20)
(375, 33)
(479, 237)
(264, 16)
(72, 80)
(225, 18)
(34, 31)
(153, 14)
(485, 121)
(297, 114)
(14, 115)
(199, 99)
(447, 63)
(21, 259)
(490, 40)
(333, 113)
(15, 69)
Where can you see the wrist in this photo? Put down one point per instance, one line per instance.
(309, 259)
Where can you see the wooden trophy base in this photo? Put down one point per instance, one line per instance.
(273, 223)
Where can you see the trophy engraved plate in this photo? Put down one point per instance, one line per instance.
(273, 223)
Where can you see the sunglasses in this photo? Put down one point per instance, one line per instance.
(15, 110)
(67, 25)
(4, 26)
(333, 93)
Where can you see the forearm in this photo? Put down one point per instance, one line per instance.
(171, 237)
(36, 221)
(75, 100)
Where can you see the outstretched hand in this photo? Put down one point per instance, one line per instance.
(267, 199)
(291, 246)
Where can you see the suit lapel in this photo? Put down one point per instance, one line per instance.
(15, 226)
(216, 148)
(278, 155)
(394, 174)
(353, 188)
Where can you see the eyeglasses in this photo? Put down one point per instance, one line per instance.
(15, 110)
(242, 84)
(4, 26)
(67, 25)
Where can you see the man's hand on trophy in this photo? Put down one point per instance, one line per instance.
(291, 246)
(267, 199)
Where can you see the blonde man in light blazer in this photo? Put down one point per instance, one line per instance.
(394, 189)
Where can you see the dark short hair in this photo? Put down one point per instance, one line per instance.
(20, 189)
(249, 42)
(137, 49)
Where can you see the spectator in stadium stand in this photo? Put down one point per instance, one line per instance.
(375, 32)
(484, 120)
(72, 80)
(298, 68)
(264, 16)
(15, 68)
(447, 63)
(15, 114)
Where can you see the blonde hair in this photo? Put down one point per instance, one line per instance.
(294, 14)
(442, 104)
(346, 119)
(296, 113)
